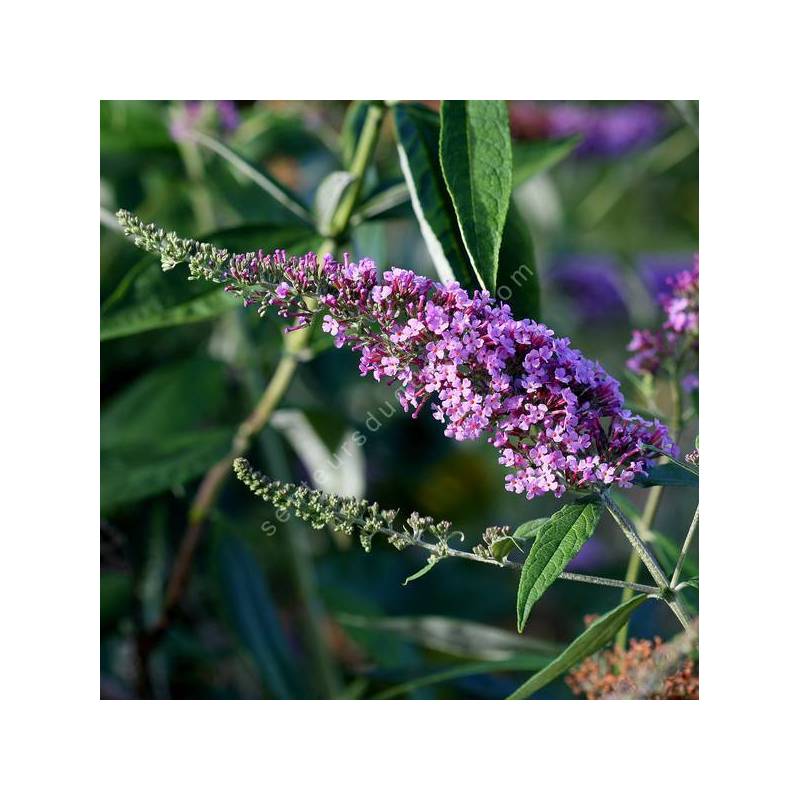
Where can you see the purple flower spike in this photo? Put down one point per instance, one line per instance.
(555, 416)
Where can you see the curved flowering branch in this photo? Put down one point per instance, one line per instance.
(556, 417)
(346, 515)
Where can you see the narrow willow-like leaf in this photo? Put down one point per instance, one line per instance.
(253, 615)
(598, 634)
(668, 475)
(417, 130)
(327, 198)
(150, 316)
(516, 664)
(270, 184)
(382, 201)
(134, 472)
(517, 276)
(432, 562)
(557, 543)
(533, 158)
(147, 298)
(475, 151)
(455, 637)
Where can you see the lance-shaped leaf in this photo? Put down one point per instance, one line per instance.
(135, 471)
(557, 543)
(430, 564)
(670, 474)
(475, 151)
(597, 635)
(147, 298)
(270, 184)
(533, 158)
(528, 530)
(417, 130)
(455, 637)
(253, 615)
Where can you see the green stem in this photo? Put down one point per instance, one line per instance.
(685, 549)
(653, 501)
(653, 567)
(358, 168)
(632, 572)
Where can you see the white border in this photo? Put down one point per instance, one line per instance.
(737, 59)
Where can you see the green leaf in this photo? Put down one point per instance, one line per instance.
(454, 637)
(475, 151)
(148, 298)
(133, 472)
(380, 202)
(151, 316)
(517, 276)
(116, 598)
(254, 616)
(502, 547)
(271, 185)
(557, 543)
(533, 158)
(668, 475)
(145, 410)
(693, 582)
(516, 664)
(417, 130)
(327, 199)
(431, 563)
(530, 529)
(597, 635)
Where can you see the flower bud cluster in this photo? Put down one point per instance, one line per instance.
(347, 515)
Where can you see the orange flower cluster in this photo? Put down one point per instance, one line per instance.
(635, 673)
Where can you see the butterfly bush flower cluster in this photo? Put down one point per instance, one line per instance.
(556, 417)
(654, 351)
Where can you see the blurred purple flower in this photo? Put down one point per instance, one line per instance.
(591, 284)
(228, 114)
(592, 555)
(658, 269)
(190, 117)
(606, 130)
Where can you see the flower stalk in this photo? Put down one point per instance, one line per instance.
(653, 567)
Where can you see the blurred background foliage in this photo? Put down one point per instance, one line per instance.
(273, 610)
